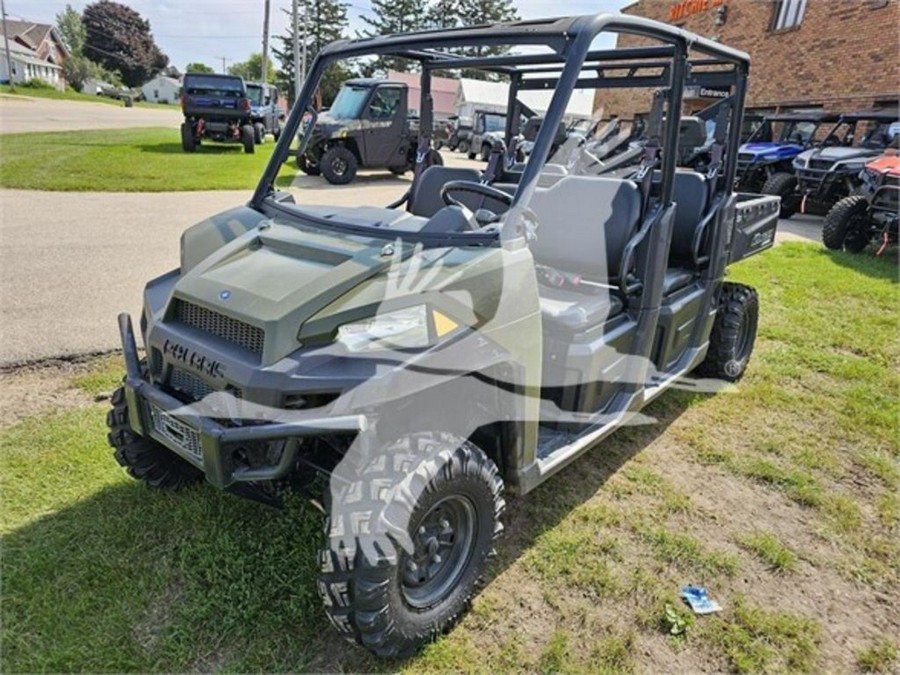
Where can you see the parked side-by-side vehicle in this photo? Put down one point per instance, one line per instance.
(368, 126)
(215, 107)
(830, 171)
(771, 149)
(407, 365)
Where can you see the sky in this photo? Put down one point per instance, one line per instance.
(210, 30)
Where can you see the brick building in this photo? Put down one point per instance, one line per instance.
(834, 55)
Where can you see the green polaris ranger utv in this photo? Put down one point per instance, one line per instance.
(406, 365)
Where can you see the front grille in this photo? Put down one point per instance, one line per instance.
(744, 159)
(237, 332)
(820, 164)
(176, 431)
(189, 384)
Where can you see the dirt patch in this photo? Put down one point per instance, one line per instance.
(150, 627)
(40, 388)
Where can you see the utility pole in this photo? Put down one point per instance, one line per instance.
(224, 59)
(305, 39)
(9, 70)
(265, 51)
(296, 33)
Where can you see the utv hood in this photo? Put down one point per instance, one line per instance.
(770, 151)
(835, 155)
(276, 277)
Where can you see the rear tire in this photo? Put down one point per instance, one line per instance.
(463, 147)
(733, 334)
(145, 459)
(188, 143)
(409, 535)
(247, 138)
(276, 132)
(339, 165)
(845, 225)
(783, 185)
(259, 133)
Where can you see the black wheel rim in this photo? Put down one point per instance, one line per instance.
(856, 237)
(443, 542)
(338, 166)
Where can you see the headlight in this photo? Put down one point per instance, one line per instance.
(798, 163)
(855, 167)
(408, 328)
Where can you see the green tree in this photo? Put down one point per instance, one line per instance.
(119, 39)
(395, 16)
(71, 29)
(326, 22)
(198, 68)
(480, 12)
(77, 69)
(251, 69)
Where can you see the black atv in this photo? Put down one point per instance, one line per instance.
(827, 173)
(367, 126)
(215, 107)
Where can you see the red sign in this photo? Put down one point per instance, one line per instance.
(685, 8)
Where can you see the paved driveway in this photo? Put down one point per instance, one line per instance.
(20, 114)
(70, 262)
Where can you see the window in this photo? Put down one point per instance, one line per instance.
(787, 14)
(385, 103)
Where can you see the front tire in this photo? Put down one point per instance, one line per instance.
(339, 165)
(145, 459)
(783, 185)
(733, 334)
(247, 139)
(845, 225)
(485, 152)
(409, 536)
(259, 133)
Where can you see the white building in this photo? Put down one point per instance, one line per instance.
(487, 96)
(162, 89)
(27, 66)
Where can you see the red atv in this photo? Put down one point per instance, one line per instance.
(873, 215)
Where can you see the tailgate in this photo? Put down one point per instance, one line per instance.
(755, 222)
(213, 106)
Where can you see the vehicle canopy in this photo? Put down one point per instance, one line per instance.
(355, 93)
(563, 54)
(783, 136)
(208, 84)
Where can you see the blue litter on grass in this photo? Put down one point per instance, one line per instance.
(699, 600)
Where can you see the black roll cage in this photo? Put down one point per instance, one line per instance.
(571, 64)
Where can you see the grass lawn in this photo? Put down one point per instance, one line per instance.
(781, 497)
(128, 160)
(70, 95)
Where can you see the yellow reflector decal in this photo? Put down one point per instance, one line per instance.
(443, 324)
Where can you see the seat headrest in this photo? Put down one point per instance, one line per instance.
(533, 125)
(691, 132)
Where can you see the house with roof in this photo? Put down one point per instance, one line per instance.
(36, 52)
(161, 89)
(486, 96)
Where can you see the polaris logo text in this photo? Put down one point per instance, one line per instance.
(194, 359)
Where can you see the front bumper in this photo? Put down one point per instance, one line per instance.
(207, 444)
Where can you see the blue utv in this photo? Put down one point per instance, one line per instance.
(774, 144)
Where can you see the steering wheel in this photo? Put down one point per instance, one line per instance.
(474, 188)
